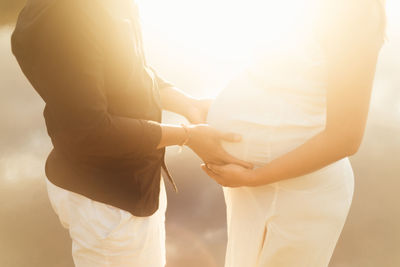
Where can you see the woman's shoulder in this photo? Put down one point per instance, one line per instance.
(348, 24)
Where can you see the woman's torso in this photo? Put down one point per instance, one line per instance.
(279, 101)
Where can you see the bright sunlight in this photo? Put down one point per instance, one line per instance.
(226, 29)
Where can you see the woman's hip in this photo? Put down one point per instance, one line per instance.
(327, 191)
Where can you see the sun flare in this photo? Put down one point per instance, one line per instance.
(225, 29)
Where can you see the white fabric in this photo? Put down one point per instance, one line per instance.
(295, 223)
(292, 223)
(105, 236)
(277, 104)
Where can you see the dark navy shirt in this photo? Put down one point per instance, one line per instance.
(102, 100)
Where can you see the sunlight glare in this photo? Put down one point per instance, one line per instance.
(226, 29)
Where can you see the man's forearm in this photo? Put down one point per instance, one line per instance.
(176, 101)
(172, 135)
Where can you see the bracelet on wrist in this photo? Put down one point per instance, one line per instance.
(187, 135)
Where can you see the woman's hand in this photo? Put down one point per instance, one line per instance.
(198, 111)
(231, 175)
(205, 141)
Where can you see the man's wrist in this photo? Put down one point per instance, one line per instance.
(187, 135)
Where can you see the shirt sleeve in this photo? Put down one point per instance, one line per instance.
(68, 73)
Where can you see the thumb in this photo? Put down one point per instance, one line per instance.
(231, 137)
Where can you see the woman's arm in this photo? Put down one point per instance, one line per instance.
(351, 69)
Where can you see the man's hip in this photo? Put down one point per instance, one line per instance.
(103, 235)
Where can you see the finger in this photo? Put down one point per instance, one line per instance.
(229, 159)
(205, 167)
(231, 137)
(220, 180)
(218, 169)
(213, 175)
(217, 161)
(209, 172)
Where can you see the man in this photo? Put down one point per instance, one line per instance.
(103, 114)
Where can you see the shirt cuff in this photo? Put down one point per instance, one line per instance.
(151, 136)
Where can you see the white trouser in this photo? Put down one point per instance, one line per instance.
(293, 223)
(103, 235)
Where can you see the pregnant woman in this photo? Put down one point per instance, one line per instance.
(301, 109)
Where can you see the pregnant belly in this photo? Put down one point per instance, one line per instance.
(261, 142)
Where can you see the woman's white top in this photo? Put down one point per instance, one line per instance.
(279, 100)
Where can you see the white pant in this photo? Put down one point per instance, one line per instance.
(103, 235)
(293, 223)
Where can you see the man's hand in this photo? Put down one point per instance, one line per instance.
(231, 175)
(193, 109)
(198, 111)
(205, 141)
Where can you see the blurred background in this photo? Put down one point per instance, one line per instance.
(191, 44)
